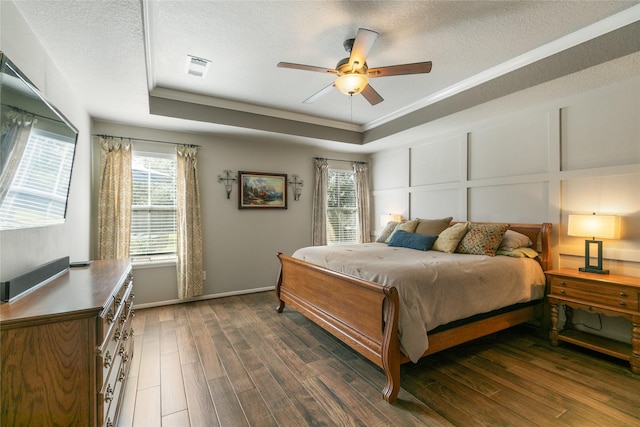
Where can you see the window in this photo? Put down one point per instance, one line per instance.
(153, 213)
(38, 192)
(342, 215)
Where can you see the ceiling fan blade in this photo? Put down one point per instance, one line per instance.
(306, 67)
(361, 46)
(371, 95)
(399, 70)
(313, 98)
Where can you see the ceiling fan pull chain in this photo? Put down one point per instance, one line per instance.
(351, 106)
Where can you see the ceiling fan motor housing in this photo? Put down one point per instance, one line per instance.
(343, 67)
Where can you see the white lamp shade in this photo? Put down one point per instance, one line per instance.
(602, 226)
(350, 84)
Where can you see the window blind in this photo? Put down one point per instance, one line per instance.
(153, 213)
(342, 215)
(38, 191)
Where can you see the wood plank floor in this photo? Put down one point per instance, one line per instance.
(236, 362)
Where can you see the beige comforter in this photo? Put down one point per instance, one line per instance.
(434, 288)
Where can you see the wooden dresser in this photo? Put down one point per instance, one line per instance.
(66, 347)
(607, 294)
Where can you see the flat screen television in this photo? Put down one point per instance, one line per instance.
(37, 149)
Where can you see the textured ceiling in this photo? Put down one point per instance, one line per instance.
(127, 58)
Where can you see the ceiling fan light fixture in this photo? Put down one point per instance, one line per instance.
(351, 84)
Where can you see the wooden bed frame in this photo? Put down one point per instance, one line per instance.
(352, 309)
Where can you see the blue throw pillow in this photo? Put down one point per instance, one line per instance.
(404, 239)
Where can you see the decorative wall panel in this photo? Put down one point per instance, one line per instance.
(603, 130)
(523, 203)
(510, 148)
(390, 170)
(438, 162)
(438, 204)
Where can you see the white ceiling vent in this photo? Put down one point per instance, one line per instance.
(197, 66)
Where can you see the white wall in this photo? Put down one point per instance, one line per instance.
(540, 163)
(22, 250)
(240, 245)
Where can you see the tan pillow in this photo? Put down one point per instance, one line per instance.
(514, 240)
(448, 239)
(432, 227)
(482, 239)
(408, 226)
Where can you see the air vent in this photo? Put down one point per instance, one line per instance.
(197, 66)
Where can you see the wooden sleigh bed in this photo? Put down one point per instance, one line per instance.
(364, 314)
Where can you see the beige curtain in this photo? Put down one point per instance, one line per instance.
(362, 197)
(16, 130)
(114, 200)
(319, 225)
(190, 263)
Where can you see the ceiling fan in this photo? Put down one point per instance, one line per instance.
(354, 73)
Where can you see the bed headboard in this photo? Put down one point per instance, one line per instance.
(540, 235)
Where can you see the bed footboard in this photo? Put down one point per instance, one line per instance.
(351, 309)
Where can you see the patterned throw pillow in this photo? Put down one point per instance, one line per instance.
(386, 233)
(448, 239)
(482, 239)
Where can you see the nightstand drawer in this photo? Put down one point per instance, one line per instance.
(610, 295)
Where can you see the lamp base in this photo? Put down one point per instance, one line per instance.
(593, 270)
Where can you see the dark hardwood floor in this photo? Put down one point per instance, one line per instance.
(236, 362)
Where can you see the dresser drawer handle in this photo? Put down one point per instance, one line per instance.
(109, 423)
(562, 291)
(108, 396)
(121, 376)
(623, 295)
(563, 283)
(622, 303)
(107, 359)
(110, 316)
(590, 308)
(116, 335)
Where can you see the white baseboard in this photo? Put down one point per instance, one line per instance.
(202, 298)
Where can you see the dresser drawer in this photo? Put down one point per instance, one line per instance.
(611, 295)
(119, 346)
(115, 309)
(113, 375)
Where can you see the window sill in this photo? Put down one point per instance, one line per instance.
(150, 262)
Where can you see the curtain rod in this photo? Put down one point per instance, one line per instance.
(33, 114)
(144, 140)
(338, 160)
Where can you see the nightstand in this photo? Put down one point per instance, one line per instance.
(609, 294)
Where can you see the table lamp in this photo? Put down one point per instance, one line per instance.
(601, 226)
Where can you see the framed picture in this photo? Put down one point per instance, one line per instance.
(262, 190)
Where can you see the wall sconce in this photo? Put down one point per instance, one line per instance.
(228, 179)
(385, 218)
(602, 226)
(297, 185)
